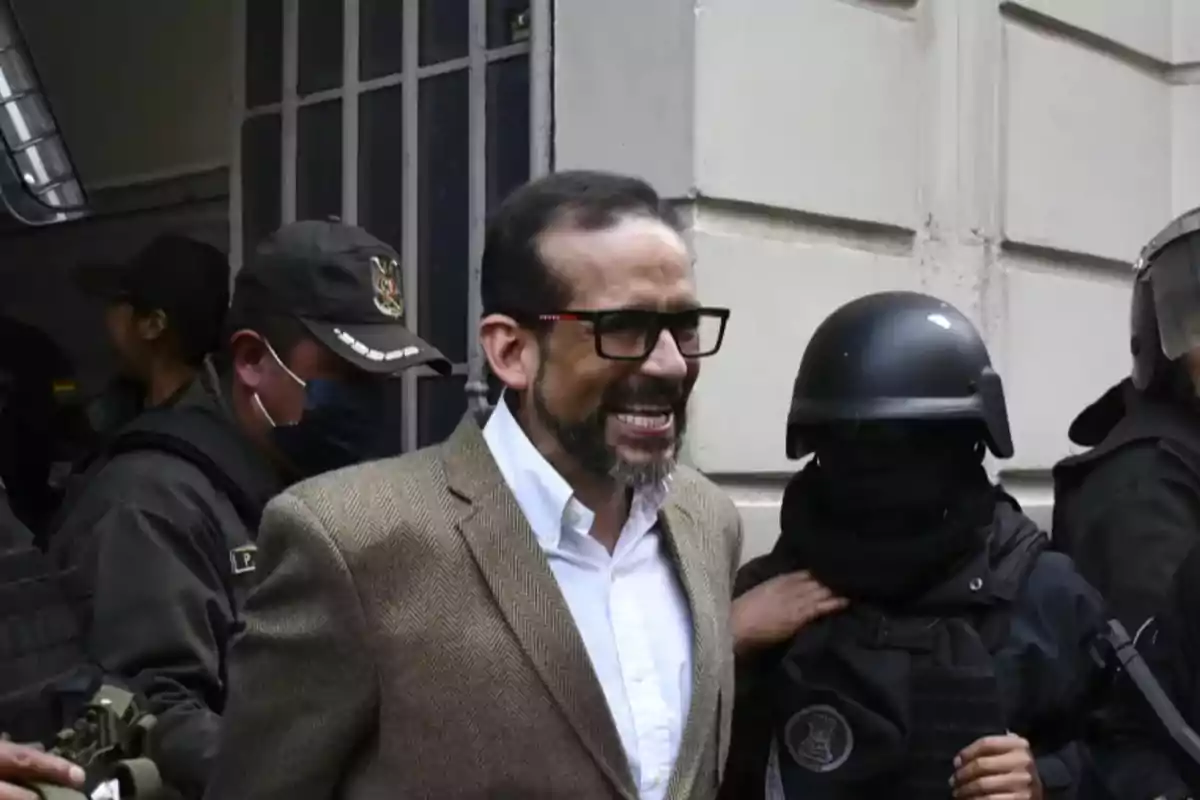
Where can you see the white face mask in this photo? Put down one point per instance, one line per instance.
(339, 425)
(258, 401)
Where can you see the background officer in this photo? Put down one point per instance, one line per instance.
(1128, 510)
(961, 655)
(163, 528)
(163, 313)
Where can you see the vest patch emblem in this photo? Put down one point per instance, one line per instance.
(819, 738)
(243, 559)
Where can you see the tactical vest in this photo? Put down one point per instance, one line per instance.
(880, 705)
(44, 674)
(40, 645)
(1173, 429)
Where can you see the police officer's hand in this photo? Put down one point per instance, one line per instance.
(774, 610)
(26, 764)
(998, 768)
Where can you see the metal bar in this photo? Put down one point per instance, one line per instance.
(236, 120)
(477, 196)
(291, 72)
(541, 89)
(41, 191)
(433, 70)
(410, 193)
(319, 97)
(350, 112)
(457, 370)
(259, 111)
(20, 147)
(441, 68)
(395, 79)
(13, 97)
(509, 51)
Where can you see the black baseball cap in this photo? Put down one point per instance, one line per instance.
(186, 279)
(344, 286)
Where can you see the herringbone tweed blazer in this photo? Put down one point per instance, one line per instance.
(407, 639)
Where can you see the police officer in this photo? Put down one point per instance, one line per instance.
(1128, 510)
(163, 312)
(1132, 746)
(165, 524)
(958, 665)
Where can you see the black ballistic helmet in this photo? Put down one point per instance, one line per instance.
(897, 356)
(1165, 308)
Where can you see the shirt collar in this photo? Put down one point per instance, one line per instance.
(544, 496)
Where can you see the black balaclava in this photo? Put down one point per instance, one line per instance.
(885, 511)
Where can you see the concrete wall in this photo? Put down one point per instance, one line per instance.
(1010, 157)
(141, 88)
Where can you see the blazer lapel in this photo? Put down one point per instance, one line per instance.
(519, 577)
(681, 533)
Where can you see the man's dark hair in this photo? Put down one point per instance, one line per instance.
(281, 331)
(195, 296)
(514, 279)
(194, 337)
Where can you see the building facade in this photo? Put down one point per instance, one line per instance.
(1010, 156)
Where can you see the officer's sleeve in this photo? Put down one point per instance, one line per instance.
(1059, 615)
(141, 536)
(303, 685)
(1132, 750)
(1138, 537)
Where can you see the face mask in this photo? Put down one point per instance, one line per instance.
(340, 425)
(873, 479)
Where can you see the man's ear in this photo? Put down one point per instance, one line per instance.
(151, 326)
(511, 351)
(250, 357)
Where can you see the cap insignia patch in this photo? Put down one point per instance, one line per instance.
(385, 277)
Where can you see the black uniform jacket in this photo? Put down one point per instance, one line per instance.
(162, 552)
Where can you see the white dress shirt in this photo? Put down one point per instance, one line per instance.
(629, 607)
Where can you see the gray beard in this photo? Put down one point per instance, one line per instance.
(585, 442)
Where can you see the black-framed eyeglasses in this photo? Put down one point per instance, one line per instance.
(631, 334)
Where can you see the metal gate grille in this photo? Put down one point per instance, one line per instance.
(411, 118)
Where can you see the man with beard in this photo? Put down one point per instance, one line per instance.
(537, 608)
(960, 665)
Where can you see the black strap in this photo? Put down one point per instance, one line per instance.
(213, 445)
(207, 441)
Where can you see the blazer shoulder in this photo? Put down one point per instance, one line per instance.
(385, 473)
(709, 505)
(376, 495)
(699, 494)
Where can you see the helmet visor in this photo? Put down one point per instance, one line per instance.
(1175, 280)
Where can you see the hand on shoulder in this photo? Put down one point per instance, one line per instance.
(774, 610)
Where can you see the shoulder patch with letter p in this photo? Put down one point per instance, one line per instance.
(243, 559)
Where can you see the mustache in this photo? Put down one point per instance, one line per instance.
(646, 391)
